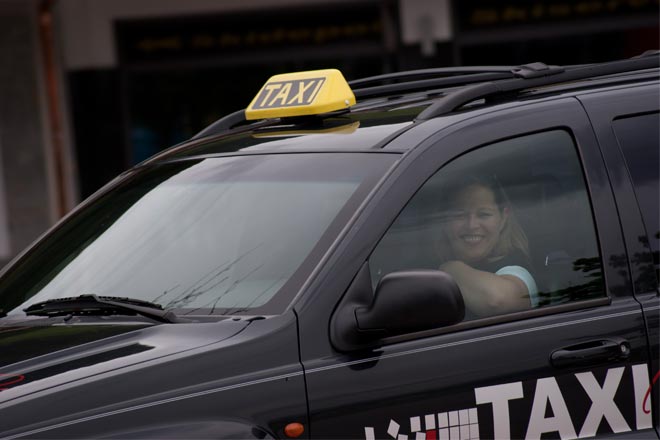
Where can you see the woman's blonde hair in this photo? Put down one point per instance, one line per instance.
(512, 237)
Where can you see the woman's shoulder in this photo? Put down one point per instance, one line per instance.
(518, 264)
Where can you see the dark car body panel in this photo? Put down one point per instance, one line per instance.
(429, 386)
(249, 377)
(203, 382)
(604, 108)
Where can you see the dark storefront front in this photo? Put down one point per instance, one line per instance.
(553, 31)
(179, 74)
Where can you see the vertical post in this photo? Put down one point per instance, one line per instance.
(54, 105)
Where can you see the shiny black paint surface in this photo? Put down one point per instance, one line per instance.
(248, 379)
(418, 376)
(211, 375)
(21, 342)
(439, 374)
(320, 133)
(604, 108)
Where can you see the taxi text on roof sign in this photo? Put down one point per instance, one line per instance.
(300, 94)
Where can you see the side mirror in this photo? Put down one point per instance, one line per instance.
(404, 302)
(413, 300)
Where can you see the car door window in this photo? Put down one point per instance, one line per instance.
(638, 139)
(510, 221)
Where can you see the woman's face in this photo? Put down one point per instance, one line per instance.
(475, 223)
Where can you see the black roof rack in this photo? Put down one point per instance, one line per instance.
(224, 123)
(450, 76)
(232, 120)
(481, 82)
(440, 71)
(433, 83)
(400, 82)
(532, 75)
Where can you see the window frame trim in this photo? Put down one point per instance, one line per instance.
(567, 126)
(434, 144)
(472, 149)
(501, 319)
(603, 109)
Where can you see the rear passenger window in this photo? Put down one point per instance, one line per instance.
(639, 139)
(510, 221)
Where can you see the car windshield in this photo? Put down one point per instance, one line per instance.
(223, 235)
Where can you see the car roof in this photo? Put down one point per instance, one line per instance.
(387, 105)
(346, 132)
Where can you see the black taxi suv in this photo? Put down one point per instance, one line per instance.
(454, 253)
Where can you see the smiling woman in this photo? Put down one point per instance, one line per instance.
(509, 221)
(484, 248)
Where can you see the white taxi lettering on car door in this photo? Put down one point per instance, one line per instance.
(548, 398)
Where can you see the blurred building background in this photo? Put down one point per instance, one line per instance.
(91, 87)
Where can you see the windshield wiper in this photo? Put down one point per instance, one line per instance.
(102, 305)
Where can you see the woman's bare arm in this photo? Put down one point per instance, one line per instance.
(486, 293)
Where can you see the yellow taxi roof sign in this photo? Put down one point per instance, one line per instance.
(300, 94)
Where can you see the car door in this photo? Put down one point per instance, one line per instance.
(626, 123)
(574, 365)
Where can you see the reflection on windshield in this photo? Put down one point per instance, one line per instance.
(220, 235)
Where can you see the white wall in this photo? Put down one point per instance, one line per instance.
(86, 26)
